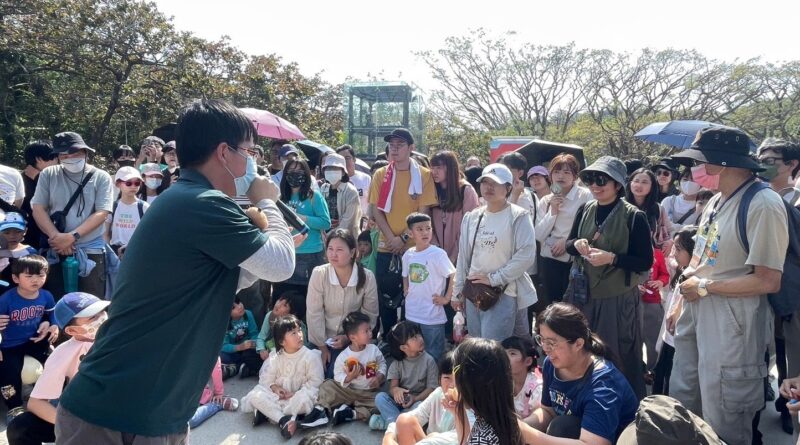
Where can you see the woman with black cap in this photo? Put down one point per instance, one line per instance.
(610, 243)
(665, 175)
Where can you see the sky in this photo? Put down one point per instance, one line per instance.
(357, 38)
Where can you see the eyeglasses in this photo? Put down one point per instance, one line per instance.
(548, 343)
(133, 183)
(252, 152)
(598, 179)
(769, 161)
(660, 172)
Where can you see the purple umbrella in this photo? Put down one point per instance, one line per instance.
(272, 126)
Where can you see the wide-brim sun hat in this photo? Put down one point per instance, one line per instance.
(723, 146)
(611, 166)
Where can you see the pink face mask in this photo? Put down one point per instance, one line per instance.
(700, 176)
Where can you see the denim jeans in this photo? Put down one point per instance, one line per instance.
(495, 324)
(434, 339)
(389, 409)
(203, 413)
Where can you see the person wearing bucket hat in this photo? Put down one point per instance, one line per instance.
(81, 227)
(662, 420)
(611, 244)
(727, 391)
(342, 197)
(666, 172)
(497, 248)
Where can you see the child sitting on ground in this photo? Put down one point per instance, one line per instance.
(527, 378)
(29, 308)
(213, 399)
(290, 303)
(412, 375)
(127, 211)
(426, 271)
(441, 428)
(292, 382)
(79, 315)
(239, 346)
(12, 230)
(359, 372)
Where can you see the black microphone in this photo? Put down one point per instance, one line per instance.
(291, 218)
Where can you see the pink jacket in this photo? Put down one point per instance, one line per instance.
(216, 380)
(447, 225)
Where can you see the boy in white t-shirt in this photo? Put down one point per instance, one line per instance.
(128, 210)
(79, 315)
(426, 271)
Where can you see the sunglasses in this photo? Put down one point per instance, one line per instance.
(598, 179)
(133, 183)
(770, 161)
(663, 173)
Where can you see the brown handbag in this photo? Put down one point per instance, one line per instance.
(481, 295)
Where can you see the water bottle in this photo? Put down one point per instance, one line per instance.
(458, 327)
(69, 268)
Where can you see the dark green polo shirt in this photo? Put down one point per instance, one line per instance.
(169, 313)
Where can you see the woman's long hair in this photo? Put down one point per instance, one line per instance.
(685, 239)
(483, 379)
(305, 190)
(568, 321)
(650, 206)
(347, 237)
(451, 198)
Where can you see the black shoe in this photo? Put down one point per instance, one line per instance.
(315, 418)
(258, 418)
(229, 370)
(343, 414)
(284, 425)
(786, 422)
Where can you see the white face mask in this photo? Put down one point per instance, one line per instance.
(689, 187)
(333, 176)
(152, 183)
(74, 165)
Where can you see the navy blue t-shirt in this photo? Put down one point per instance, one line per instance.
(605, 401)
(24, 315)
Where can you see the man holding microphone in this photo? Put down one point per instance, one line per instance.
(141, 382)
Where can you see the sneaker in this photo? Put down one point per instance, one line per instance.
(343, 414)
(258, 418)
(786, 422)
(14, 412)
(377, 422)
(315, 418)
(246, 372)
(229, 403)
(229, 370)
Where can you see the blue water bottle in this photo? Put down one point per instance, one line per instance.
(69, 268)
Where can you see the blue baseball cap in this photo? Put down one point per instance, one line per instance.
(77, 305)
(13, 220)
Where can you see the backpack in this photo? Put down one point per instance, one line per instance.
(787, 300)
(139, 206)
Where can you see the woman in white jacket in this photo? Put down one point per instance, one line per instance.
(503, 251)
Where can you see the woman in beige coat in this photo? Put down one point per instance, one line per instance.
(336, 289)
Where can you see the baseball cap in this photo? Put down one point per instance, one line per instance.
(538, 170)
(153, 140)
(13, 220)
(400, 133)
(335, 160)
(77, 305)
(126, 174)
(69, 142)
(498, 173)
(151, 169)
(286, 150)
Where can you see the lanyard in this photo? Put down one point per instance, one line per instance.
(717, 210)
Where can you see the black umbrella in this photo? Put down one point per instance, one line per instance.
(313, 151)
(539, 152)
(166, 132)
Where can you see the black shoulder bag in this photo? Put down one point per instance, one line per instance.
(59, 218)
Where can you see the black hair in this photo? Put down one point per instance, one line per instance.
(514, 160)
(281, 327)
(789, 151)
(650, 207)
(380, 163)
(296, 302)
(347, 237)
(569, 322)
(326, 438)
(421, 160)
(446, 363)
(306, 192)
(38, 149)
(525, 346)
(353, 321)
(236, 300)
(346, 147)
(31, 264)
(483, 380)
(451, 196)
(415, 218)
(206, 123)
(685, 239)
(472, 174)
(122, 150)
(365, 237)
(704, 195)
(399, 335)
(631, 165)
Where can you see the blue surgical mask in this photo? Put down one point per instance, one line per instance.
(242, 183)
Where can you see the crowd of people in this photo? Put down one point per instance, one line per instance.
(597, 301)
